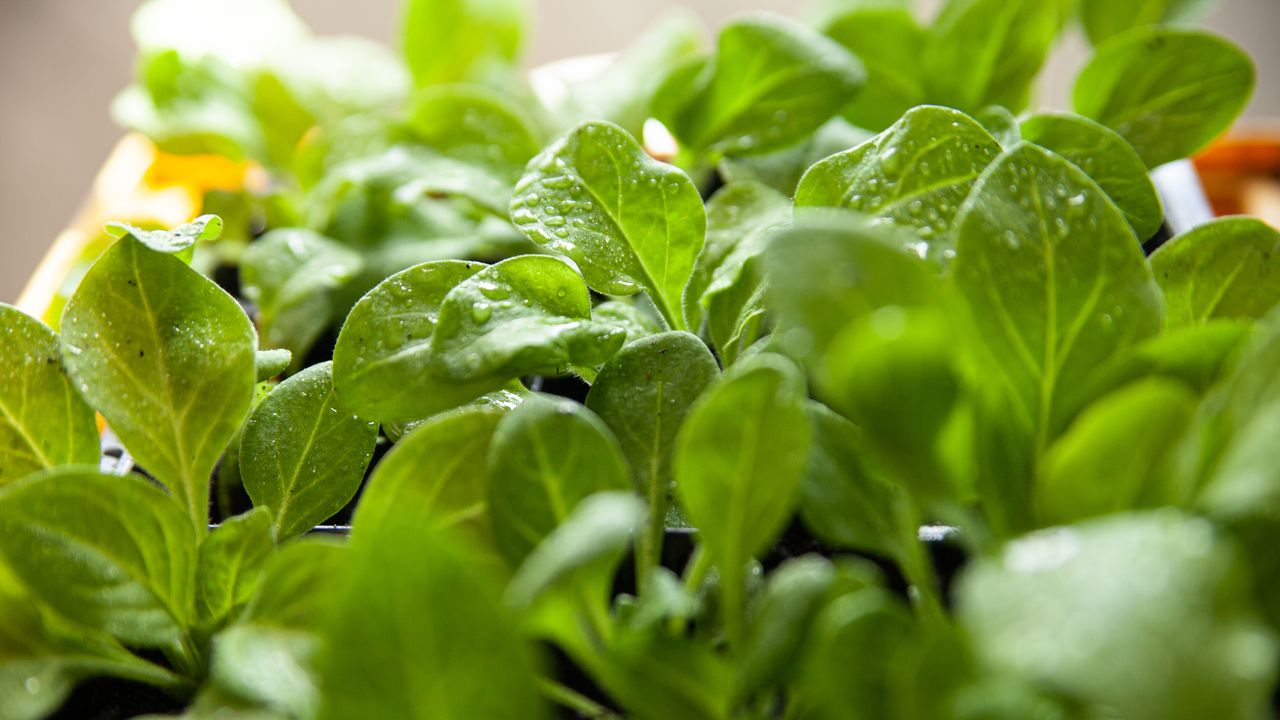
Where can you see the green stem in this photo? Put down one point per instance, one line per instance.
(185, 657)
(916, 566)
(650, 545)
(573, 700)
(694, 573)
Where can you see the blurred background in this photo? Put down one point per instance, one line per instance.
(62, 61)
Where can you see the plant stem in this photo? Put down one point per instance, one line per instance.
(573, 700)
(916, 566)
(694, 573)
(649, 550)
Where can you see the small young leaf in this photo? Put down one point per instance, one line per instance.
(916, 173)
(629, 222)
(43, 421)
(525, 314)
(266, 668)
(772, 82)
(303, 453)
(1224, 268)
(474, 124)
(453, 40)
(269, 363)
(294, 277)
(183, 237)
(1104, 156)
(109, 552)
(781, 621)
(298, 582)
(783, 168)
(1104, 18)
(890, 43)
(382, 358)
(230, 563)
(1168, 92)
(168, 358)
(1194, 355)
(1001, 123)
(546, 456)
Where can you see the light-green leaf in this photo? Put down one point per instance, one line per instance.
(890, 43)
(475, 124)
(43, 421)
(1168, 92)
(546, 456)
(916, 173)
(1224, 268)
(629, 222)
(230, 564)
(303, 453)
(168, 358)
(1104, 18)
(453, 40)
(183, 237)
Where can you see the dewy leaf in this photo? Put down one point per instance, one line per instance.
(1054, 279)
(1168, 92)
(168, 358)
(382, 358)
(230, 563)
(1115, 456)
(183, 237)
(916, 173)
(890, 43)
(772, 82)
(738, 463)
(453, 40)
(1103, 18)
(475, 124)
(1086, 612)
(546, 456)
(437, 471)
(110, 552)
(43, 421)
(417, 630)
(1224, 268)
(524, 314)
(629, 222)
(303, 453)
(1107, 158)
(294, 277)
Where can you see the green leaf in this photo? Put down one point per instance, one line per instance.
(43, 421)
(303, 453)
(418, 628)
(987, 52)
(1074, 286)
(474, 124)
(783, 168)
(436, 471)
(772, 82)
(659, 676)
(1001, 123)
(546, 456)
(1224, 268)
(295, 277)
(525, 314)
(629, 222)
(636, 321)
(1195, 355)
(183, 237)
(1085, 612)
(267, 364)
(168, 358)
(781, 621)
(1115, 456)
(230, 564)
(917, 173)
(265, 668)
(738, 463)
(890, 43)
(1103, 18)
(1168, 92)
(298, 582)
(452, 40)
(106, 551)
(1107, 158)
(382, 358)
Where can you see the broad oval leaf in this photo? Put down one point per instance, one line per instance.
(475, 124)
(298, 581)
(452, 40)
(43, 421)
(772, 82)
(1073, 287)
(524, 314)
(230, 563)
(168, 358)
(546, 456)
(1168, 92)
(303, 453)
(382, 358)
(1103, 19)
(1107, 158)
(1224, 268)
(629, 222)
(916, 173)
(436, 471)
(110, 552)
(890, 43)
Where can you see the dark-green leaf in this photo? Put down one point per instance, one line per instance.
(1224, 268)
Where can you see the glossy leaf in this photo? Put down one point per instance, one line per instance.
(1224, 268)
(1168, 92)
(183, 237)
(545, 457)
(109, 552)
(43, 421)
(168, 358)
(916, 173)
(453, 40)
(1074, 288)
(230, 563)
(303, 453)
(1107, 158)
(629, 222)
(890, 43)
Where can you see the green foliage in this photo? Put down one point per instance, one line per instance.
(1221, 269)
